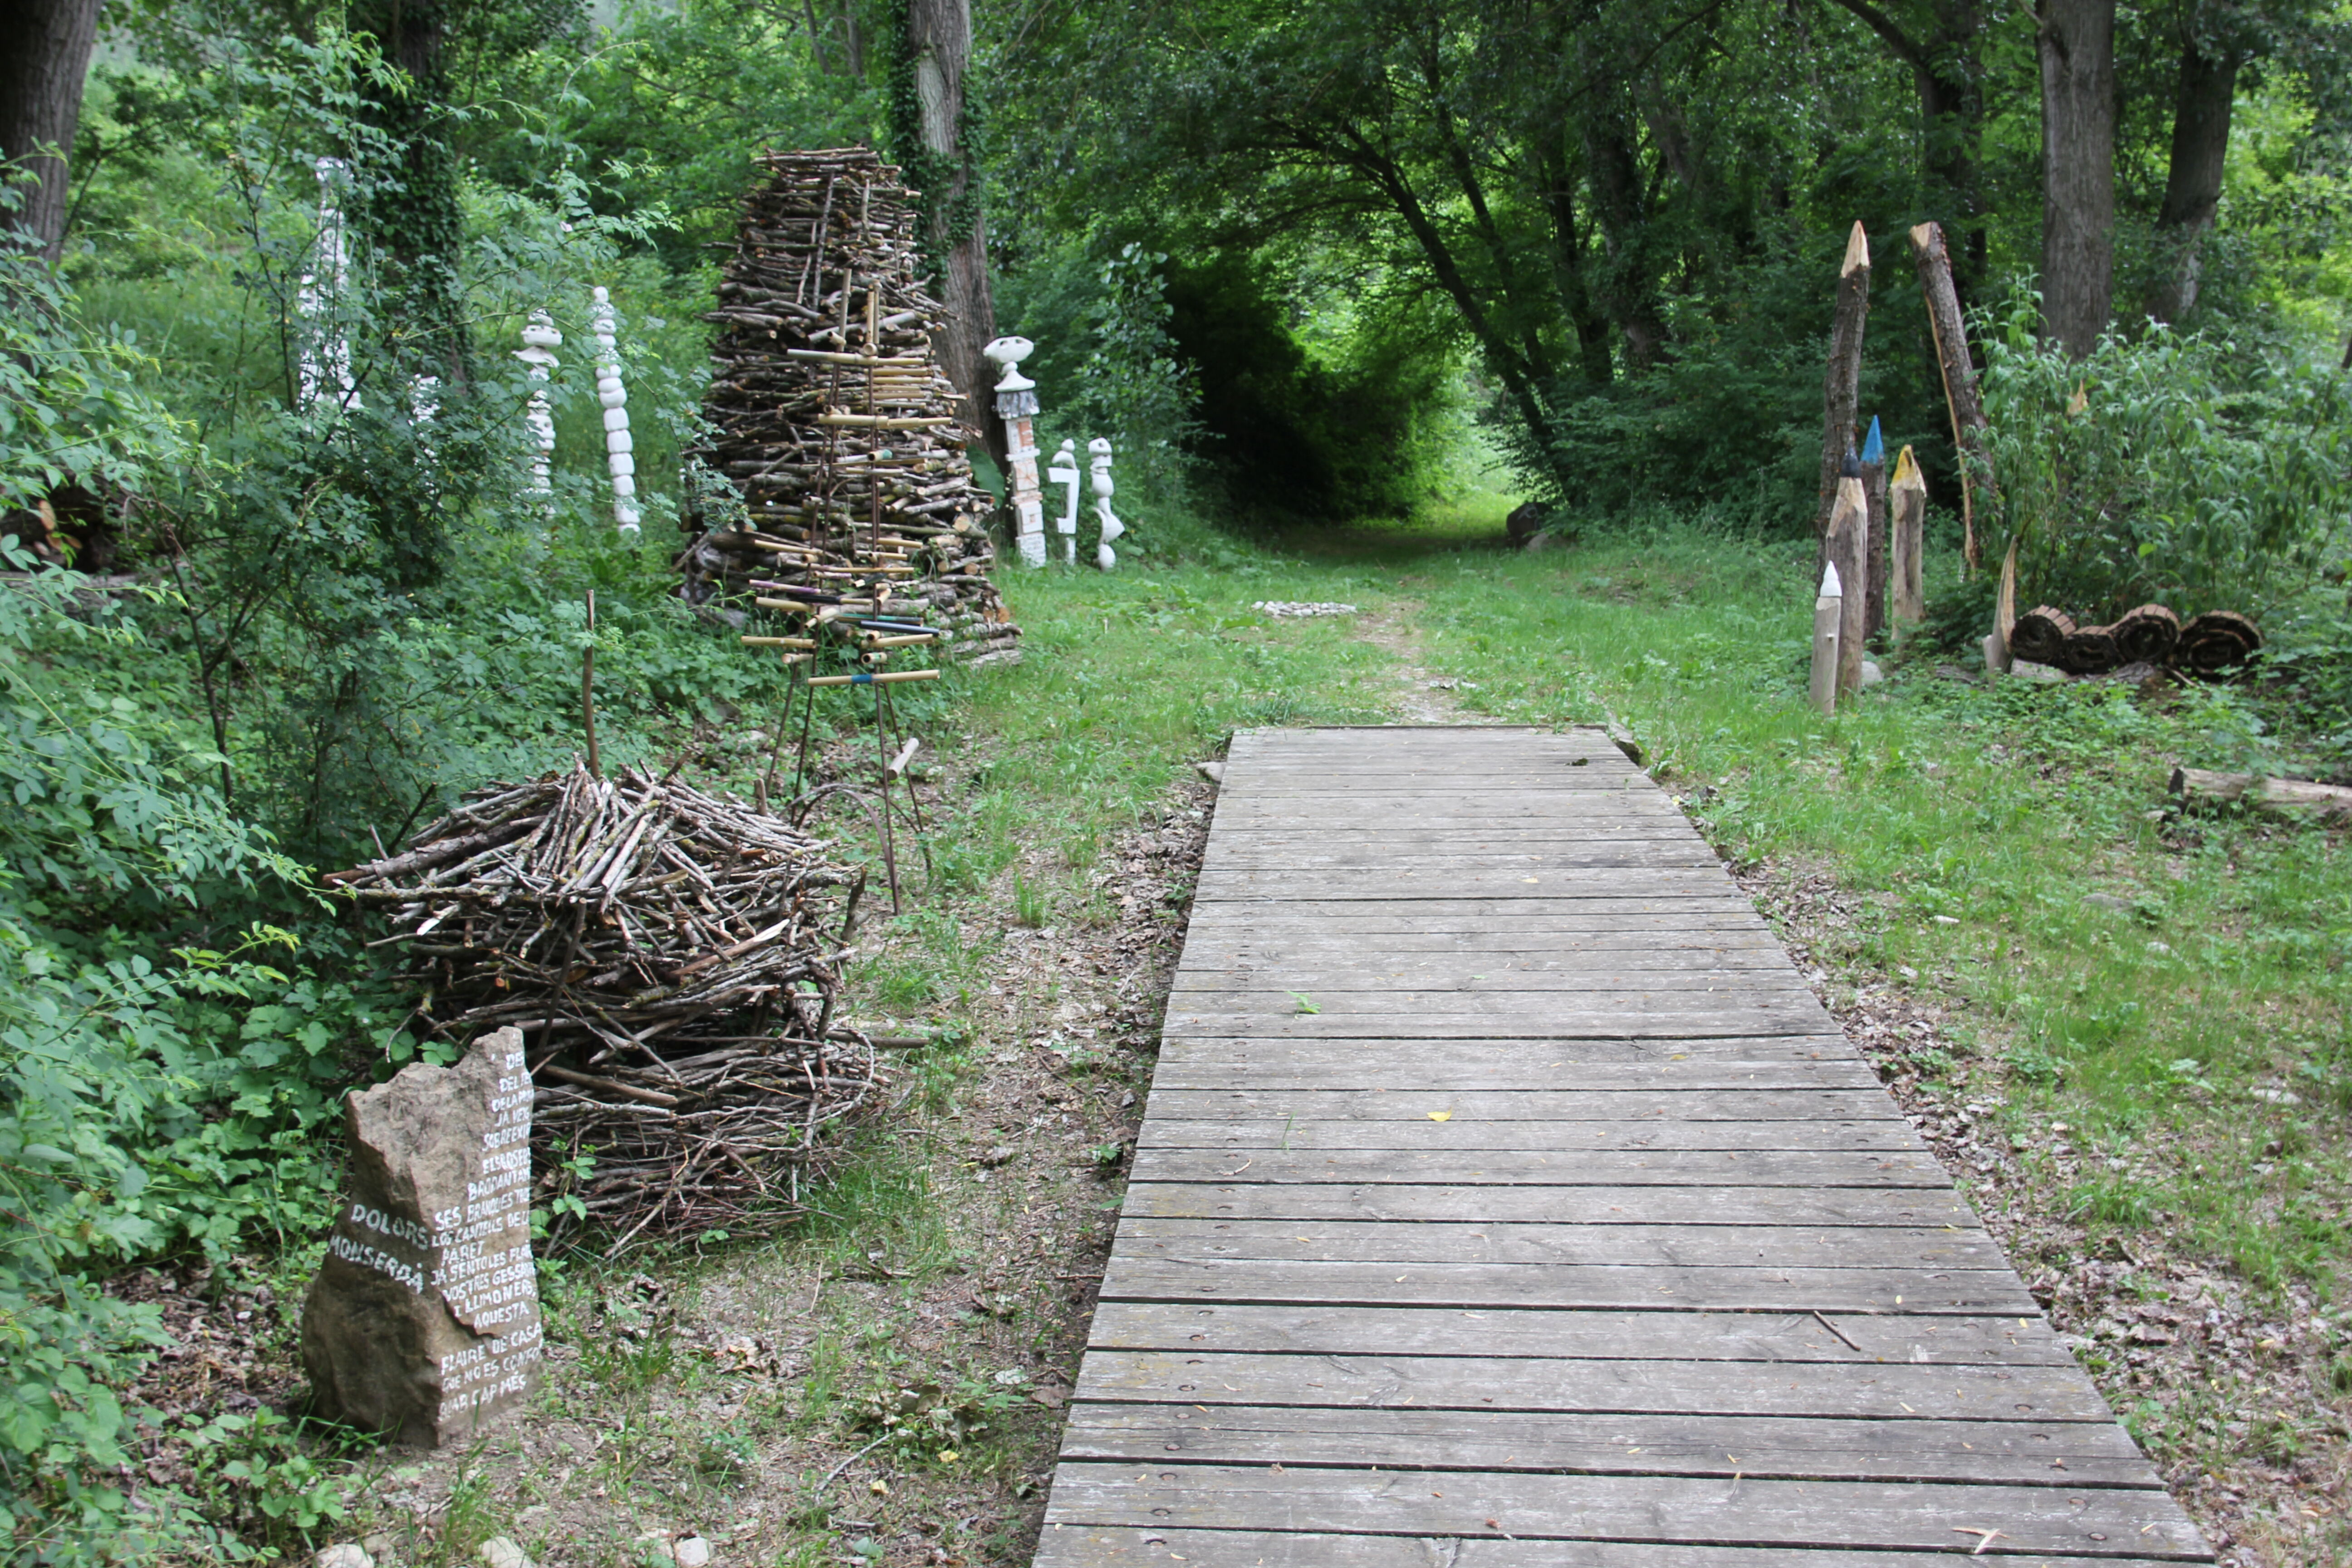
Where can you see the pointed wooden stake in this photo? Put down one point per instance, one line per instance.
(1828, 611)
(1842, 387)
(1960, 375)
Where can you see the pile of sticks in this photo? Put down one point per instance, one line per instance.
(842, 434)
(673, 959)
(2208, 643)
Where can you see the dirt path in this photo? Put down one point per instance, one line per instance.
(1420, 696)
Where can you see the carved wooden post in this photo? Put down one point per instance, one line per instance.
(1960, 399)
(1910, 510)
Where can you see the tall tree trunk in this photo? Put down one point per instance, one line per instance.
(939, 47)
(2078, 44)
(2201, 103)
(410, 214)
(1568, 254)
(45, 48)
(1614, 177)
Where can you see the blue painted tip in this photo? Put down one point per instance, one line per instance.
(1852, 467)
(1873, 445)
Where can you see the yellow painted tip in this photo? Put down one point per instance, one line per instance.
(1906, 471)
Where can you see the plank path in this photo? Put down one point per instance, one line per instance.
(1506, 1200)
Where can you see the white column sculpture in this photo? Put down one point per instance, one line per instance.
(1065, 473)
(538, 339)
(326, 356)
(1016, 404)
(1099, 454)
(620, 454)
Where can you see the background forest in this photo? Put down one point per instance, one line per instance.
(1305, 265)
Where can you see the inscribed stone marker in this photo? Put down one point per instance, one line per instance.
(424, 1322)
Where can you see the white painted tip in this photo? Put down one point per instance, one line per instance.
(1830, 587)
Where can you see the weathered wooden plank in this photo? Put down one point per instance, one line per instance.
(1638, 1015)
(2047, 1453)
(1107, 1546)
(1909, 1516)
(1405, 1204)
(1255, 1241)
(1642, 855)
(1781, 1337)
(1193, 1064)
(1510, 884)
(1371, 969)
(1168, 1159)
(1583, 1287)
(1655, 938)
(1861, 1390)
(1469, 919)
(1624, 1106)
(1882, 1136)
(1278, 986)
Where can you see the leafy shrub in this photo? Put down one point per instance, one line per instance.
(2177, 469)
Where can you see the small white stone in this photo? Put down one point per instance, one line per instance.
(617, 420)
(1212, 772)
(624, 485)
(619, 441)
(691, 1552)
(622, 465)
(499, 1552)
(1871, 674)
(342, 1555)
(613, 398)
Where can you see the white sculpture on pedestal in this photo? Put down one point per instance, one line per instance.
(1016, 404)
(326, 359)
(1064, 472)
(538, 339)
(1105, 557)
(620, 456)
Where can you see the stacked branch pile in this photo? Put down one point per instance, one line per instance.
(842, 433)
(672, 958)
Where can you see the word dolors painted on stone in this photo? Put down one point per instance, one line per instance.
(423, 1323)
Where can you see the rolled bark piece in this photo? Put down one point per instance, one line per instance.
(2217, 639)
(2196, 787)
(2147, 635)
(2088, 650)
(2040, 634)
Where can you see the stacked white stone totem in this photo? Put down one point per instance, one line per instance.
(539, 341)
(620, 455)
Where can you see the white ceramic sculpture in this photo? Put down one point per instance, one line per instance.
(1065, 473)
(1098, 451)
(538, 340)
(326, 355)
(1016, 404)
(620, 455)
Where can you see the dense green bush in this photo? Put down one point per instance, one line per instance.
(2181, 468)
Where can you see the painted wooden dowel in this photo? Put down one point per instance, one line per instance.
(1848, 548)
(863, 678)
(777, 642)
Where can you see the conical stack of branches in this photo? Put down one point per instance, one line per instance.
(673, 959)
(832, 421)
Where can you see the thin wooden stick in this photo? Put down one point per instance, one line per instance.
(588, 685)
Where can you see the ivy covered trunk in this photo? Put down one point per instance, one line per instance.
(409, 214)
(932, 114)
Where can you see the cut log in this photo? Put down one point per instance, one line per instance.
(2088, 650)
(2197, 789)
(2147, 635)
(2216, 641)
(2040, 634)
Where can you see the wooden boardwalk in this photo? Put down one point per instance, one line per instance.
(1506, 1200)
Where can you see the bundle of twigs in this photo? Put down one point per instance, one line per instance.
(672, 957)
(842, 436)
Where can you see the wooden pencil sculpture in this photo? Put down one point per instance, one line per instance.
(1908, 507)
(620, 453)
(1098, 451)
(1829, 612)
(1848, 549)
(832, 419)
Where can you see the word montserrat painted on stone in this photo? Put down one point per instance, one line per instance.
(423, 1323)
